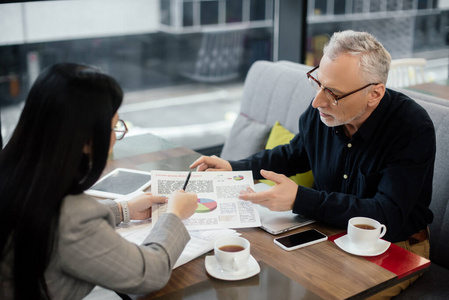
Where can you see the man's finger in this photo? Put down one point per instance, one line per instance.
(253, 197)
(201, 167)
(275, 177)
(197, 163)
(215, 170)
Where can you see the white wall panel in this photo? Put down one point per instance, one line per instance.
(62, 20)
(11, 29)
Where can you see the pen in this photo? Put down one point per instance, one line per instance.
(187, 181)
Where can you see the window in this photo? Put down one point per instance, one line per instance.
(407, 28)
(175, 59)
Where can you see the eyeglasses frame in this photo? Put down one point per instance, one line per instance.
(124, 132)
(329, 92)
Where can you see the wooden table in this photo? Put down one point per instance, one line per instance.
(437, 89)
(322, 270)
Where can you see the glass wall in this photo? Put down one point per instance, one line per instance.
(181, 63)
(407, 28)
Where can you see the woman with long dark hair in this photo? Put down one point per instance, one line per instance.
(55, 241)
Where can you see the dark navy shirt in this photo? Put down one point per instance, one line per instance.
(383, 172)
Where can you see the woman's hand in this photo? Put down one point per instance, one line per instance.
(182, 204)
(140, 206)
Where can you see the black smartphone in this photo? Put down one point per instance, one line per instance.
(300, 239)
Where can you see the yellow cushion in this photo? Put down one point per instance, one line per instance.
(279, 135)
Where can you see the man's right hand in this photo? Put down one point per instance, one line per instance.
(211, 163)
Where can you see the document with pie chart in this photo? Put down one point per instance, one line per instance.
(206, 205)
(218, 202)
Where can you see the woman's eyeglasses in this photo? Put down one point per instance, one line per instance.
(120, 130)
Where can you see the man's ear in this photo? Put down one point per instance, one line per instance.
(376, 94)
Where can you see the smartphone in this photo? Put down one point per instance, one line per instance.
(300, 239)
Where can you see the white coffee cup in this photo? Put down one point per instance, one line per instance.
(364, 233)
(232, 253)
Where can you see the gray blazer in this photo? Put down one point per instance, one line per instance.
(89, 252)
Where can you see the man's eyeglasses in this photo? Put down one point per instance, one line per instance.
(120, 130)
(329, 94)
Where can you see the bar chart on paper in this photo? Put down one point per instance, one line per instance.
(206, 205)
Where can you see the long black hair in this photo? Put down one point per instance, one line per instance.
(68, 107)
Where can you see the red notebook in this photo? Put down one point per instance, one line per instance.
(396, 259)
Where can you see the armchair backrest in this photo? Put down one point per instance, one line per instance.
(272, 92)
(277, 92)
(439, 229)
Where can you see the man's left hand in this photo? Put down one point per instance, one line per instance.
(278, 198)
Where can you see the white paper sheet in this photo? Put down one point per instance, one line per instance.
(135, 231)
(218, 203)
(201, 242)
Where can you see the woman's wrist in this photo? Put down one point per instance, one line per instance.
(115, 208)
(124, 212)
(120, 211)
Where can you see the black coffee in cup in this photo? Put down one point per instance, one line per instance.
(365, 226)
(231, 248)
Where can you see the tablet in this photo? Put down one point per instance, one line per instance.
(120, 182)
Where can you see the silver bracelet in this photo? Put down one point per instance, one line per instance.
(125, 211)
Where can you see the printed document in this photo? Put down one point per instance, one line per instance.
(201, 241)
(218, 202)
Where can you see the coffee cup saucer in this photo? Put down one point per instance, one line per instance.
(214, 270)
(344, 243)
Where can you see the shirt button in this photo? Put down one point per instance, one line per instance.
(345, 176)
(349, 145)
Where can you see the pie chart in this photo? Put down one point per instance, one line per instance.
(206, 205)
(238, 177)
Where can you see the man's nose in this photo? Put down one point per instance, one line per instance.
(320, 99)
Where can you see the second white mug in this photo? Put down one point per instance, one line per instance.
(364, 232)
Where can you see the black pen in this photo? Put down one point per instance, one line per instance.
(187, 181)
